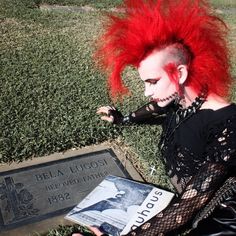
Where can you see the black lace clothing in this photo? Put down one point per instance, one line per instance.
(150, 113)
(200, 155)
(207, 136)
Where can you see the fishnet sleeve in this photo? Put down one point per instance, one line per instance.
(220, 155)
(150, 113)
(193, 198)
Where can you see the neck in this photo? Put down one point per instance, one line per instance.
(190, 104)
(189, 96)
(213, 101)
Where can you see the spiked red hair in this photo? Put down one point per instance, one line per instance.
(145, 25)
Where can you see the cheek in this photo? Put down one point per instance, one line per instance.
(164, 88)
(164, 84)
(156, 87)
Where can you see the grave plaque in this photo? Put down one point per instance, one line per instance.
(37, 192)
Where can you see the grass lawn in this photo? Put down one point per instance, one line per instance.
(50, 90)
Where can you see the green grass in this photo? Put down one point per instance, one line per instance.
(93, 3)
(50, 90)
(67, 231)
(223, 3)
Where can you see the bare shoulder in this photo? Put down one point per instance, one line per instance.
(215, 102)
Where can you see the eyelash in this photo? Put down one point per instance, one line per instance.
(153, 82)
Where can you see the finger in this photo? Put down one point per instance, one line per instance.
(110, 107)
(107, 118)
(103, 110)
(77, 234)
(101, 107)
(95, 230)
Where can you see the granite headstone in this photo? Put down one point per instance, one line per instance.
(37, 192)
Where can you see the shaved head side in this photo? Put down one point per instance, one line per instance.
(175, 54)
(178, 54)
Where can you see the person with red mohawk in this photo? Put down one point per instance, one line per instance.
(180, 51)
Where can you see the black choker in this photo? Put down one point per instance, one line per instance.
(181, 115)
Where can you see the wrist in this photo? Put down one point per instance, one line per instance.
(126, 120)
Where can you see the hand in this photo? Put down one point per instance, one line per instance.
(105, 111)
(95, 230)
(110, 114)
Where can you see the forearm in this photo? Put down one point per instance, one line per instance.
(194, 197)
(150, 113)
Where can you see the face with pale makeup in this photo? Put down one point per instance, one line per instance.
(158, 86)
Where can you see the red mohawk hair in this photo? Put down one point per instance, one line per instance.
(145, 25)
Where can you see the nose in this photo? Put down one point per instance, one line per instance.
(148, 90)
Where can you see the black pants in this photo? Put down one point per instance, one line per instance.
(222, 222)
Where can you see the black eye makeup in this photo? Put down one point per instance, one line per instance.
(152, 81)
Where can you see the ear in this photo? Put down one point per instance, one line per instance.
(183, 73)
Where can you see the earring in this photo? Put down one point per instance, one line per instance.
(182, 102)
(180, 98)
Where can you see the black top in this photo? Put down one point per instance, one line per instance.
(199, 154)
(207, 136)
